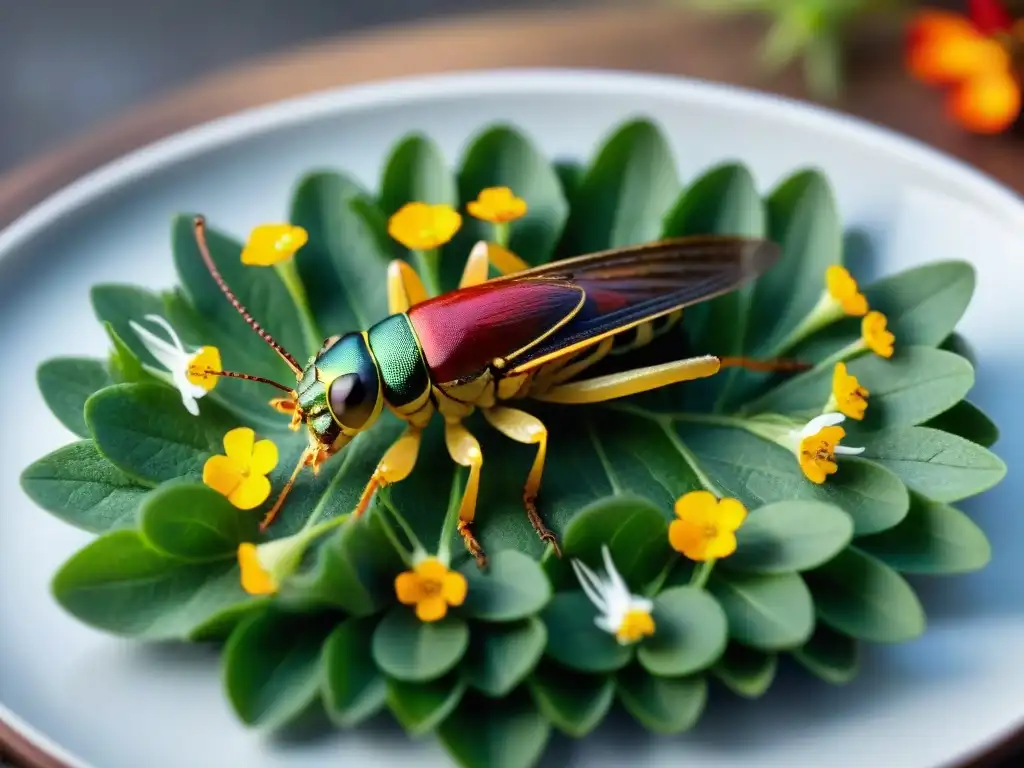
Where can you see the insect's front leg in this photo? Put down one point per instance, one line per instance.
(465, 450)
(525, 428)
(396, 465)
(405, 289)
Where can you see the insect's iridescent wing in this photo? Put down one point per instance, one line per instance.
(630, 286)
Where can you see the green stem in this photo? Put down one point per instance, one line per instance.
(825, 312)
(402, 523)
(428, 264)
(289, 274)
(501, 234)
(451, 520)
(702, 573)
(321, 528)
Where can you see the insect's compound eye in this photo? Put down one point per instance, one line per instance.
(352, 402)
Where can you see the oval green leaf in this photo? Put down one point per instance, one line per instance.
(192, 521)
(119, 584)
(574, 703)
(82, 488)
(421, 707)
(864, 598)
(969, 422)
(924, 304)
(575, 641)
(416, 172)
(665, 705)
(830, 655)
(415, 651)
(117, 304)
(747, 672)
(66, 383)
(495, 733)
(500, 656)
(513, 587)
(272, 669)
(770, 612)
(690, 633)
(790, 536)
(934, 538)
(353, 687)
(942, 466)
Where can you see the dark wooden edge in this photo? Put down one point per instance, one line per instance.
(657, 40)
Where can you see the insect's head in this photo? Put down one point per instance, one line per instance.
(339, 393)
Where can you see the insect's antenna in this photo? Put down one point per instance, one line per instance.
(248, 377)
(199, 226)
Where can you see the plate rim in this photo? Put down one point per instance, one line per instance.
(39, 750)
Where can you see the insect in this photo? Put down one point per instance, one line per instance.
(527, 334)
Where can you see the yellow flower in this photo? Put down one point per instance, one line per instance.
(706, 528)
(265, 566)
(241, 474)
(191, 371)
(843, 289)
(847, 393)
(497, 205)
(270, 244)
(875, 335)
(431, 587)
(623, 614)
(201, 368)
(818, 446)
(423, 227)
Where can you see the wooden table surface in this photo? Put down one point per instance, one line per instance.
(651, 39)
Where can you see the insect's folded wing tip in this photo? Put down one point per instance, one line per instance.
(761, 256)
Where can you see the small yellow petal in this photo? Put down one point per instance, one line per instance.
(264, 457)
(875, 334)
(454, 588)
(497, 205)
(688, 539)
(697, 507)
(849, 395)
(722, 545)
(431, 568)
(271, 244)
(255, 579)
(422, 227)
(730, 515)
(636, 624)
(432, 608)
(205, 360)
(408, 588)
(843, 288)
(251, 492)
(238, 445)
(222, 474)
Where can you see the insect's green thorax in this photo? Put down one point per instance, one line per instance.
(312, 397)
(403, 371)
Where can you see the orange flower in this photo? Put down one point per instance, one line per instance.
(974, 60)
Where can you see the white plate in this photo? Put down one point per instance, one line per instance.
(97, 701)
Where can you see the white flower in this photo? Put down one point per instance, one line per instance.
(623, 614)
(188, 370)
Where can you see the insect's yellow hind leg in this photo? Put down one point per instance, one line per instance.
(465, 450)
(405, 289)
(486, 255)
(395, 465)
(631, 382)
(525, 428)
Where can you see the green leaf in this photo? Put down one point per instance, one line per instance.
(66, 383)
(803, 220)
(570, 174)
(421, 707)
(916, 384)
(116, 305)
(862, 597)
(665, 705)
(625, 193)
(942, 466)
(831, 655)
(958, 345)
(969, 422)
(416, 171)
(218, 627)
(759, 472)
(120, 585)
(353, 687)
(416, 651)
(747, 672)
(790, 536)
(513, 587)
(690, 633)
(192, 521)
(125, 366)
(272, 667)
(924, 304)
(934, 538)
(574, 703)
(495, 733)
(144, 430)
(501, 156)
(501, 656)
(770, 612)
(260, 289)
(634, 530)
(344, 264)
(575, 642)
(82, 488)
